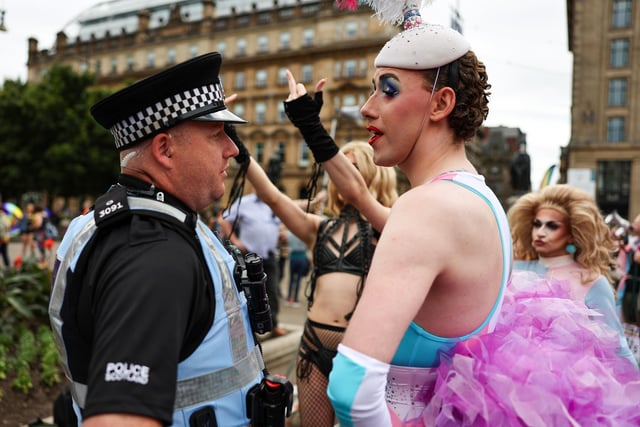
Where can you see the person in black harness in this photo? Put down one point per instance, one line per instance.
(343, 244)
(149, 319)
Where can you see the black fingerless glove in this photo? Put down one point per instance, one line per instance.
(304, 113)
(243, 155)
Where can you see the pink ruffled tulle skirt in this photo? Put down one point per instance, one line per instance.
(550, 362)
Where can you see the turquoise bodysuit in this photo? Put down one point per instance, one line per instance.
(367, 392)
(419, 348)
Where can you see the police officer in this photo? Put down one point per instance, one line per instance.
(149, 322)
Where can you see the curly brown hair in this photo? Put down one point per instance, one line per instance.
(467, 76)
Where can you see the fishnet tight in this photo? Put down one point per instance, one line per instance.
(315, 406)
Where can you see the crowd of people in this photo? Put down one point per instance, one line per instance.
(434, 307)
(33, 227)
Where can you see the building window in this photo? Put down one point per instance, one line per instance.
(286, 13)
(240, 80)
(221, 23)
(303, 151)
(311, 9)
(613, 185)
(351, 29)
(621, 16)
(243, 21)
(615, 129)
(350, 68)
(307, 74)
(282, 151)
(261, 78)
(171, 56)
(241, 47)
(193, 51)
(264, 18)
(263, 43)
(114, 65)
(307, 37)
(282, 116)
(260, 152)
(130, 63)
(238, 109)
(285, 40)
(282, 76)
(261, 109)
(221, 47)
(617, 92)
(337, 67)
(98, 67)
(151, 59)
(619, 53)
(348, 100)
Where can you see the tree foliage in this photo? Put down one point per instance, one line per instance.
(48, 140)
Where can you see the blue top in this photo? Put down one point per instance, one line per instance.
(296, 246)
(419, 348)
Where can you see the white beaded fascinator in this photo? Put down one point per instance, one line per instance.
(420, 46)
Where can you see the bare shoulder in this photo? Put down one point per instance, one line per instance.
(437, 199)
(448, 216)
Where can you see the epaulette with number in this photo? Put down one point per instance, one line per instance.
(111, 205)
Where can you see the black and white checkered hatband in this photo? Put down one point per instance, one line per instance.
(165, 113)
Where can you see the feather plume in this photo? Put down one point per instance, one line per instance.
(347, 4)
(391, 11)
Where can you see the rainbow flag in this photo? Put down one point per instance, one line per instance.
(546, 179)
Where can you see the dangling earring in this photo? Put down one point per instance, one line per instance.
(570, 248)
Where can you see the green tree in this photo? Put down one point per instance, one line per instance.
(48, 140)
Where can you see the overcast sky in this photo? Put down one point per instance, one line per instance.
(523, 43)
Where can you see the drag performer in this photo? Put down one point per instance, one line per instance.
(343, 245)
(559, 232)
(444, 334)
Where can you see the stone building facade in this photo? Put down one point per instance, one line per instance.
(121, 41)
(604, 150)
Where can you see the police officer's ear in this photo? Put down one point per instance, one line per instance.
(162, 148)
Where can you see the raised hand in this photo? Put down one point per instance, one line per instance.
(304, 113)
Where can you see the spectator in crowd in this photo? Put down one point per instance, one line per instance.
(298, 267)
(252, 226)
(30, 222)
(5, 237)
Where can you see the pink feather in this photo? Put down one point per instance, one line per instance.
(389, 11)
(347, 4)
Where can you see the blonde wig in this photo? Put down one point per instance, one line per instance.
(381, 181)
(590, 234)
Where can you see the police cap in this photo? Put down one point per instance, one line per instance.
(190, 90)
